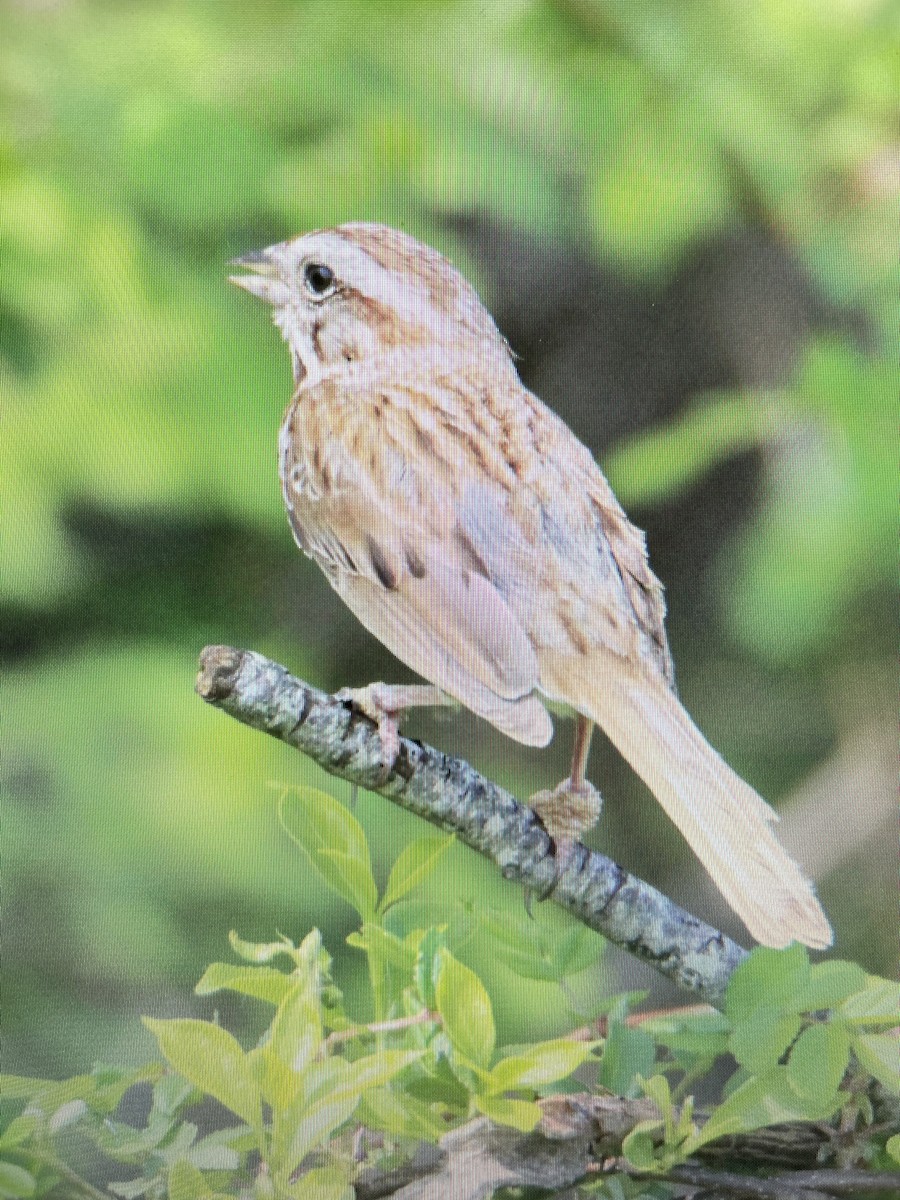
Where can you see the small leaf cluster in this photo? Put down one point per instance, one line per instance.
(808, 1041)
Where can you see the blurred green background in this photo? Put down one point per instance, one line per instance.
(684, 214)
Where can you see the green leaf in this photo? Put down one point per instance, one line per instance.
(766, 1099)
(534, 949)
(691, 1038)
(627, 1054)
(639, 1147)
(352, 879)
(263, 983)
(324, 1077)
(546, 1062)
(66, 1115)
(402, 1115)
(170, 1093)
(829, 983)
(279, 1085)
(578, 949)
(879, 1054)
(892, 1146)
(218, 1152)
(760, 1039)
(818, 1060)
(21, 1087)
(374, 1070)
(187, 1183)
(260, 952)
(386, 945)
(128, 1143)
(769, 978)
(132, 1189)
(428, 964)
(296, 1031)
(19, 1130)
(15, 1182)
(316, 1126)
(211, 1059)
(520, 1114)
(322, 1183)
(335, 844)
(413, 864)
(878, 1003)
(465, 1010)
(47, 1094)
(524, 946)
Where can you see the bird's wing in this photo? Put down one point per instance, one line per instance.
(559, 545)
(412, 581)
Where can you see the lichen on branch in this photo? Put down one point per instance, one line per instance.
(451, 794)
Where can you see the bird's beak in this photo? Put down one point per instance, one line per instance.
(265, 280)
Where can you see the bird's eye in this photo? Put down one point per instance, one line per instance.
(319, 279)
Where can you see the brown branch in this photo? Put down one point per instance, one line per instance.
(580, 1136)
(448, 792)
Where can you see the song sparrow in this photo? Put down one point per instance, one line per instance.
(468, 529)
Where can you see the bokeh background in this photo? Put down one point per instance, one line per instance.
(684, 214)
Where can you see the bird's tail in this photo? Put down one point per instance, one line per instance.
(725, 822)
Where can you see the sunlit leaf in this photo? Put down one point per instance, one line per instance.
(828, 984)
(544, 1063)
(376, 939)
(760, 1039)
(335, 844)
(879, 1054)
(295, 1035)
(186, 1182)
(465, 1009)
(260, 952)
(767, 978)
(520, 1114)
(211, 1059)
(16, 1182)
(818, 1060)
(878, 1002)
(264, 983)
(413, 864)
(398, 1113)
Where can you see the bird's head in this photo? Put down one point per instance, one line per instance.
(360, 290)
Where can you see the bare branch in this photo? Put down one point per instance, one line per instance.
(449, 793)
(580, 1136)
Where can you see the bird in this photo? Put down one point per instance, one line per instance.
(471, 532)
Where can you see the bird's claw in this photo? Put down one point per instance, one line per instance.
(568, 810)
(378, 703)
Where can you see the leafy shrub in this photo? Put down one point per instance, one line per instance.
(319, 1086)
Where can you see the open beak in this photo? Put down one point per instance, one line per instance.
(265, 280)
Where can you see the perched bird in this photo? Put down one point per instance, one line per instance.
(472, 533)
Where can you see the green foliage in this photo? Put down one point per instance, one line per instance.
(801, 1035)
(808, 1040)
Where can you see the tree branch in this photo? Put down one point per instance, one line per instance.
(449, 793)
(580, 1136)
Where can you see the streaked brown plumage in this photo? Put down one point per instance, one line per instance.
(471, 532)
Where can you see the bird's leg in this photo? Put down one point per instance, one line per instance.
(385, 704)
(572, 807)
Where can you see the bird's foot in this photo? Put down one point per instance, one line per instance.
(567, 811)
(385, 704)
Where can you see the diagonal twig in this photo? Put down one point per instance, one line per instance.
(448, 792)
